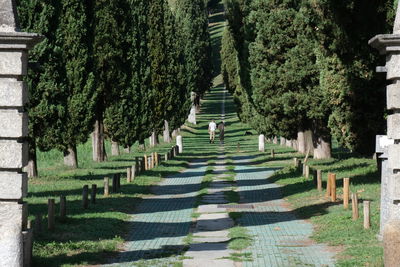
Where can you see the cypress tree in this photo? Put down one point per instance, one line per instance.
(108, 66)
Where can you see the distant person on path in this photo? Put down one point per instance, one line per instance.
(212, 127)
(221, 128)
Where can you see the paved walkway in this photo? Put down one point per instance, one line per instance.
(280, 239)
(161, 222)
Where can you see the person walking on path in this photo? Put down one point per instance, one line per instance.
(212, 127)
(221, 128)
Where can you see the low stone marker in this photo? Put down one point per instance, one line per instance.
(106, 186)
(179, 143)
(261, 143)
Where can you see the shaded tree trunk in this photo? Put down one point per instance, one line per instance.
(127, 149)
(32, 163)
(301, 142)
(114, 148)
(153, 139)
(71, 157)
(322, 148)
(166, 133)
(305, 141)
(99, 152)
(275, 140)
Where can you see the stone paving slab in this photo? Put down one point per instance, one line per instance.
(221, 233)
(212, 208)
(214, 201)
(210, 239)
(208, 263)
(214, 222)
(208, 251)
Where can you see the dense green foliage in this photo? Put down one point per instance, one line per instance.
(299, 65)
(128, 64)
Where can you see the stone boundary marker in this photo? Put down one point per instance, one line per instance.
(15, 241)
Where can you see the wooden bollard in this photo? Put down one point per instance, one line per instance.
(63, 208)
(106, 186)
(307, 174)
(114, 184)
(346, 192)
(156, 159)
(333, 187)
(328, 185)
(93, 194)
(51, 214)
(354, 205)
(303, 171)
(133, 172)
(367, 220)
(166, 156)
(85, 196)
(272, 153)
(315, 177)
(152, 160)
(238, 147)
(319, 180)
(129, 175)
(118, 181)
(38, 223)
(146, 162)
(296, 162)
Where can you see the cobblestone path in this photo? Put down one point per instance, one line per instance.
(161, 222)
(280, 239)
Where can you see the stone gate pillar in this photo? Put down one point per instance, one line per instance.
(389, 44)
(14, 46)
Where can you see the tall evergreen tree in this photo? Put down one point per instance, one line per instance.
(108, 52)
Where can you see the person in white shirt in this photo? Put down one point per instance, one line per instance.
(212, 127)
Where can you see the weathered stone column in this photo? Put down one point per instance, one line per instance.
(14, 48)
(261, 143)
(389, 44)
(179, 143)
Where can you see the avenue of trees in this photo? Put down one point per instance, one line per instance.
(303, 70)
(112, 69)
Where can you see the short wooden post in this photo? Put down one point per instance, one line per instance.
(307, 174)
(38, 223)
(319, 180)
(93, 194)
(153, 160)
(50, 214)
(238, 147)
(272, 153)
(156, 159)
(346, 192)
(106, 186)
(118, 181)
(303, 171)
(146, 163)
(366, 206)
(128, 175)
(63, 208)
(328, 186)
(354, 205)
(85, 196)
(133, 172)
(333, 187)
(166, 156)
